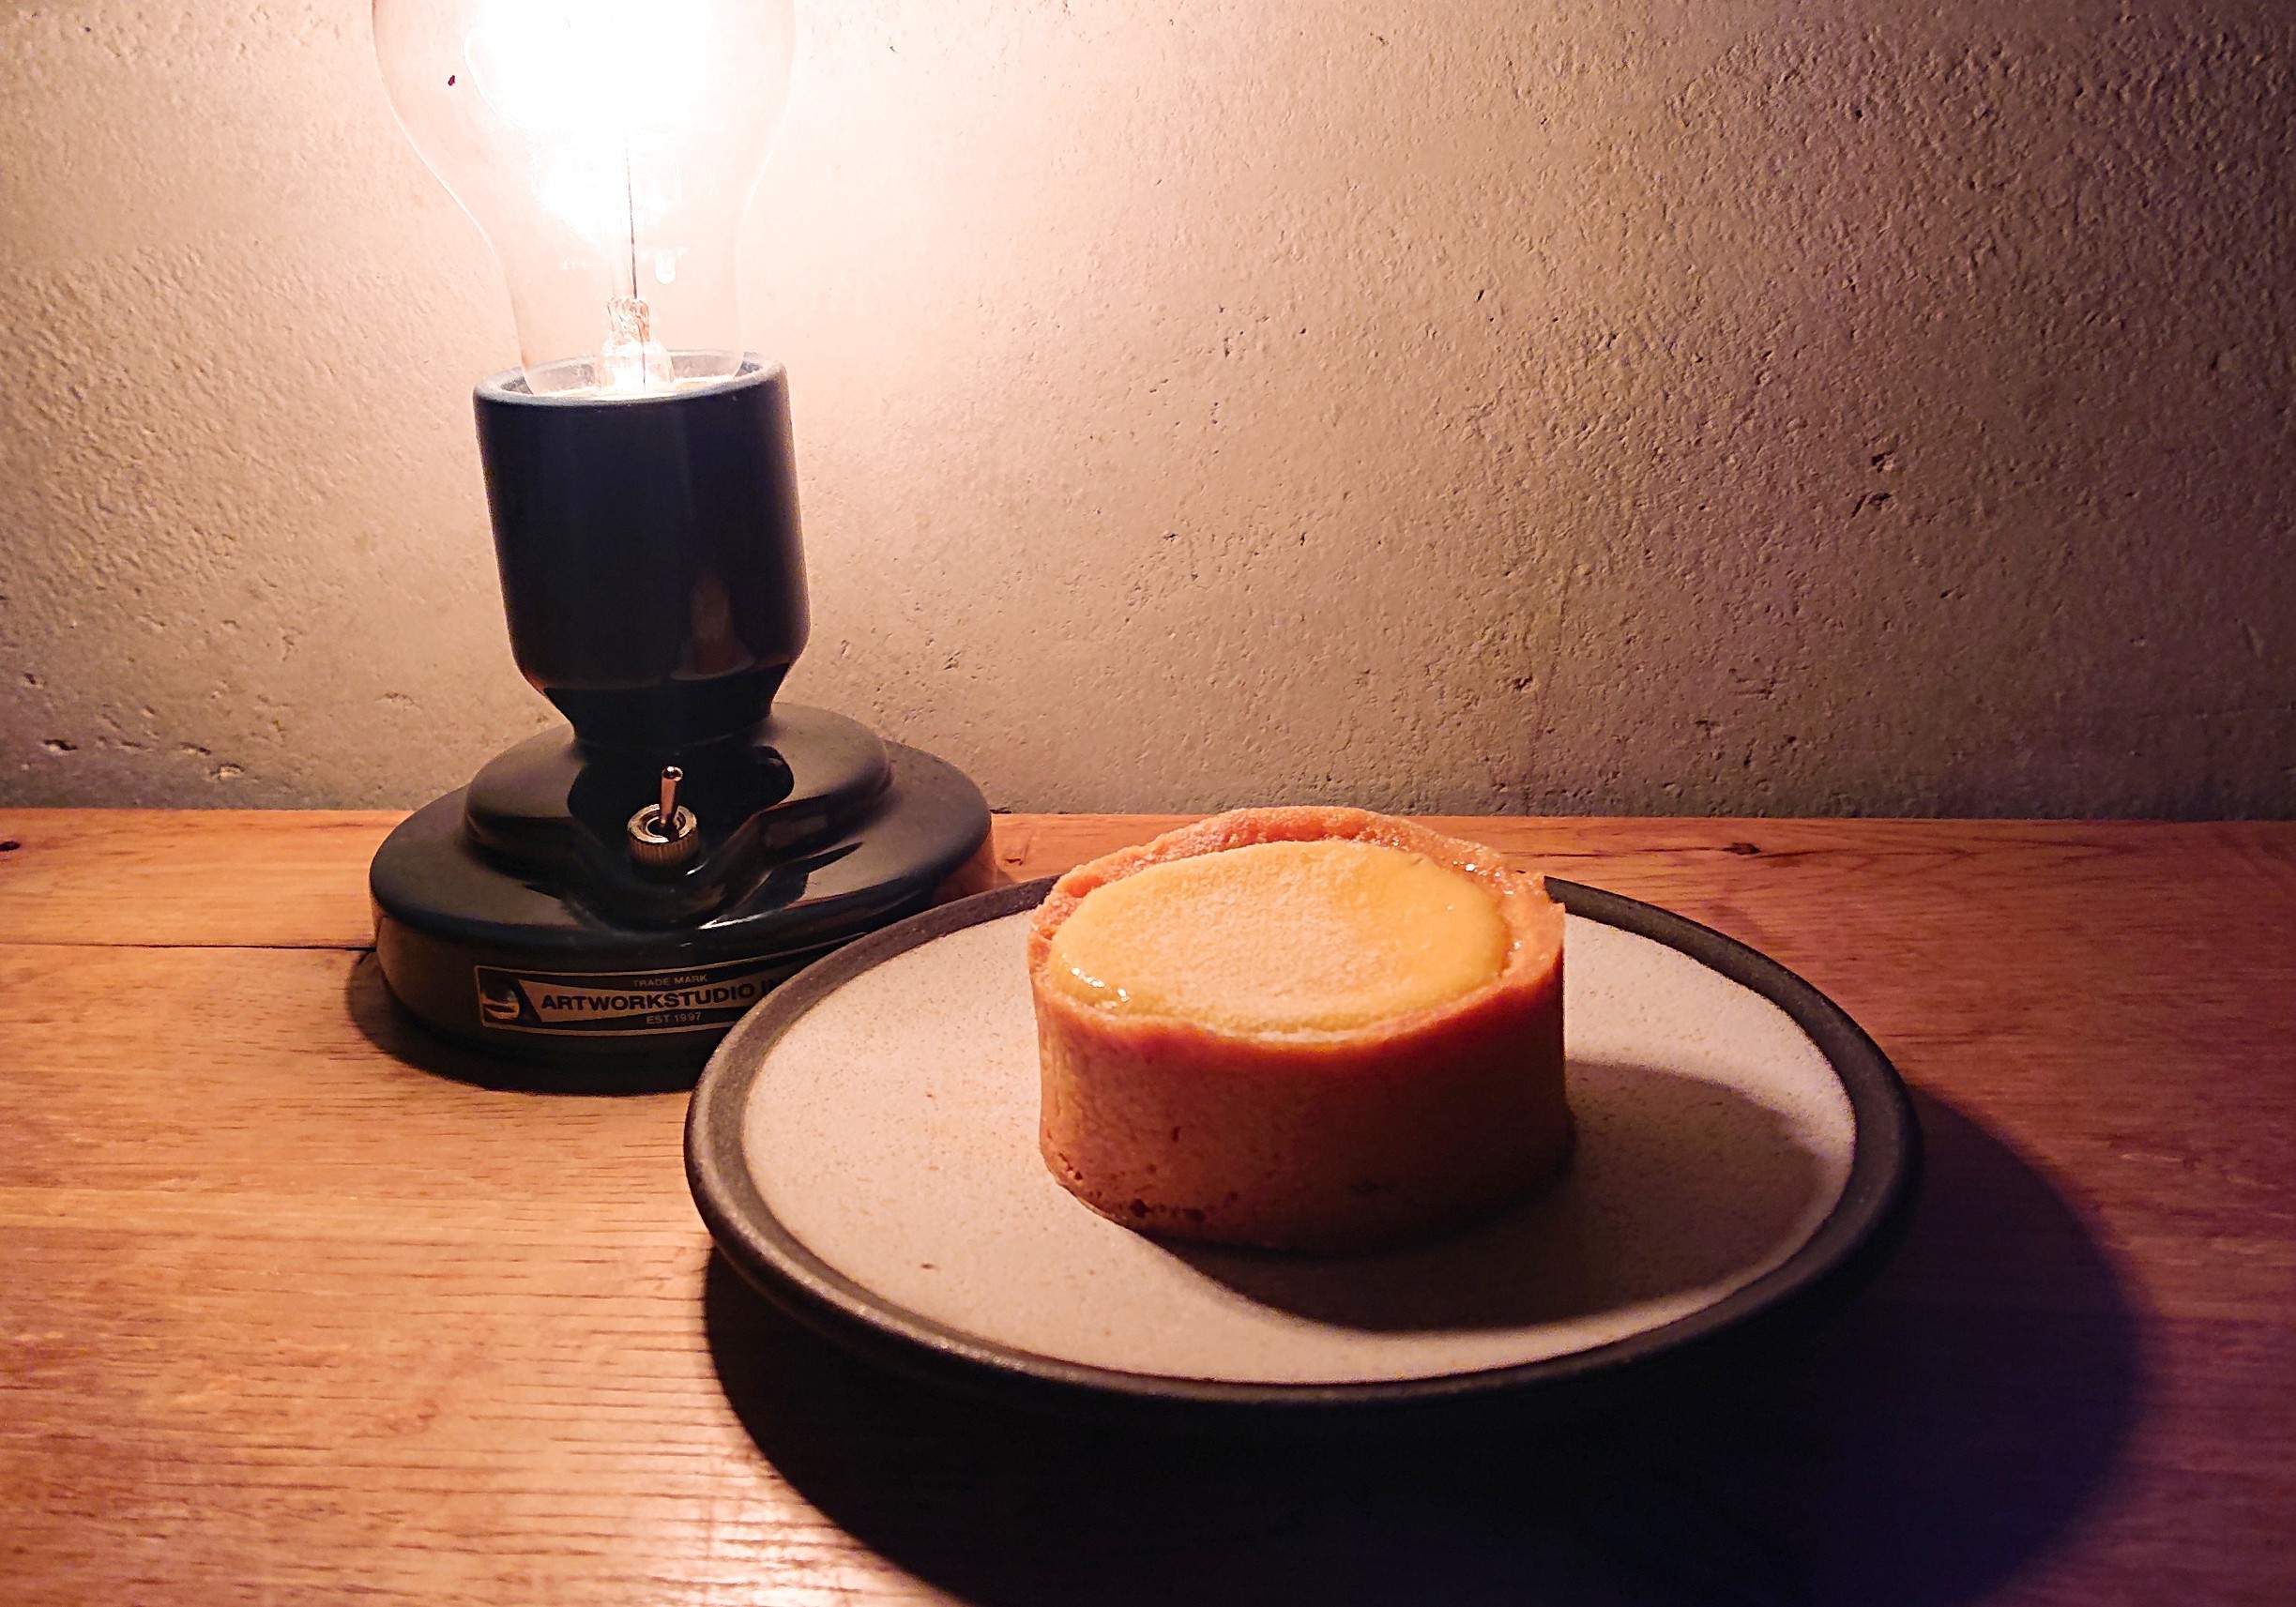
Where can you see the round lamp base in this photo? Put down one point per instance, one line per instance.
(498, 959)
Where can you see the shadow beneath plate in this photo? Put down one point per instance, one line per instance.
(1913, 1449)
(1676, 1184)
(399, 1035)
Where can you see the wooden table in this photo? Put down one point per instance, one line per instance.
(299, 1306)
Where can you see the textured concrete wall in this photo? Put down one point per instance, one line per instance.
(1599, 404)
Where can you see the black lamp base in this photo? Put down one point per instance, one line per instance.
(498, 923)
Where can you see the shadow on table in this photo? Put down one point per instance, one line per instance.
(1913, 1449)
(399, 1035)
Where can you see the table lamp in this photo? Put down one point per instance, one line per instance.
(620, 890)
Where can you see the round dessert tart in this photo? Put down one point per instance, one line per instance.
(1314, 1029)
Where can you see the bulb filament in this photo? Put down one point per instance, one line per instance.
(631, 358)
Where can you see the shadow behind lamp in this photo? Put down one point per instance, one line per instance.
(621, 891)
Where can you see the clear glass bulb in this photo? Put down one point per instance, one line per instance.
(608, 148)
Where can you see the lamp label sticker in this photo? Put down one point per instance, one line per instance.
(624, 1003)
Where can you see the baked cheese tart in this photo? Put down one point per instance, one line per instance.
(1315, 1029)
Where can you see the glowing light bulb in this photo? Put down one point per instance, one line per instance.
(608, 148)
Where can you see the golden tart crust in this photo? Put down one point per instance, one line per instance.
(1332, 1140)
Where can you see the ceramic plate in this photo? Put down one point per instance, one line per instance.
(863, 1148)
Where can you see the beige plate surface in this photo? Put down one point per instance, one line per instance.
(893, 1131)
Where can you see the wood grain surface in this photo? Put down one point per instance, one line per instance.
(298, 1305)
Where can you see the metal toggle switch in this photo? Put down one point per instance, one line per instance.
(664, 836)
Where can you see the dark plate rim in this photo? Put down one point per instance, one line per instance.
(1848, 1245)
